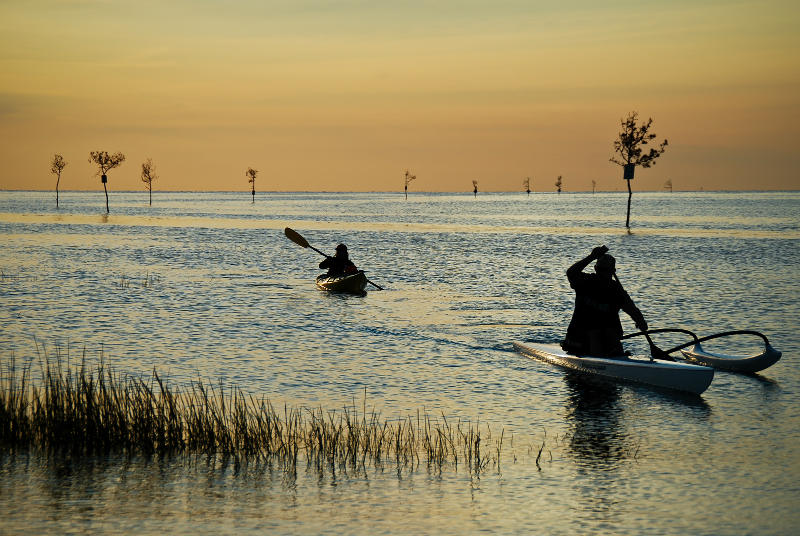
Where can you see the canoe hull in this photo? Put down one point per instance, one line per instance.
(732, 363)
(663, 374)
(355, 283)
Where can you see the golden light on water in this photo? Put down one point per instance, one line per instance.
(708, 231)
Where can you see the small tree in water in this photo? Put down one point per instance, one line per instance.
(558, 184)
(527, 184)
(148, 176)
(594, 185)
(409, 178)
(475, 188)
(251, 174)
(629, 147)
(105, 163)
(57, 165)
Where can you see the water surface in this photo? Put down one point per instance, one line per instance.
(205, 285)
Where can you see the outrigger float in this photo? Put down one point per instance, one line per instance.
(694, 352)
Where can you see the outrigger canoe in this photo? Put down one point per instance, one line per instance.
(355, 283)
(664, 374)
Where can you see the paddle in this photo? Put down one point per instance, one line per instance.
(655, 351)
(298, 239)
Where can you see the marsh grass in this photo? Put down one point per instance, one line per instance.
(84, 410)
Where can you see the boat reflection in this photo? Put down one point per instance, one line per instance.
(598, 433)
(593, 412)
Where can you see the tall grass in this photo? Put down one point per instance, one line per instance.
(92, 411)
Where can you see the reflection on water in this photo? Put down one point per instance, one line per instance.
(593, 413)
(206, 286)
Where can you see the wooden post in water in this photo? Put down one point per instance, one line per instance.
(104, 179)
(627, 175)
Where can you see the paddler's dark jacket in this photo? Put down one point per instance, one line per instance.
(598, 300)
(338, 265)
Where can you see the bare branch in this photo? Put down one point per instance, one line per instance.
(106, 162)
(149, 173)
(57, 164)
(630, 141)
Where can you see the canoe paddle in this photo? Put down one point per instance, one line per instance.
(298, 239)
(655, 351)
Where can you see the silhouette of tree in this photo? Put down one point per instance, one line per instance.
(668, 185)
(148, 176)
(558, 184)
(251, 173)
(57, 165)
(105, 163)
(409, 178)
(630, 149)
(594, 185)
(527, 184)
(475, 188)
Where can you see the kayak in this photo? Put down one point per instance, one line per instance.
(355, 283)
(733, 363)
(664, 374)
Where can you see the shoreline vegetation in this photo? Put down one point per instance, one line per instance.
(89, 411)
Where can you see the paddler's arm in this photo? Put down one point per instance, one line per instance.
(630, 308)
(577, 268)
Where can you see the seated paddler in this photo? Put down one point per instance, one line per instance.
(339, 264)
(595, 328)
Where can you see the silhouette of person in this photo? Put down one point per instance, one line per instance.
(595, 328)
(340, 263)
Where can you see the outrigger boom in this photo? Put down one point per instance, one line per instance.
(693, 352)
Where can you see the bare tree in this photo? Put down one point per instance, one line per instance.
(475, 188)
(409, 178)
(629, 147)
(148, 176)
(558, 184)
(527, 184)
(251, 173)
(57, 165)
(594, 185)
(668, 185)
(105, 163)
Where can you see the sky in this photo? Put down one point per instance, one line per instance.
(347, 95)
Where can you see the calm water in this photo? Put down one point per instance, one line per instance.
(205, 285)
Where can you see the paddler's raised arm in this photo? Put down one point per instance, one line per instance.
(578, 267)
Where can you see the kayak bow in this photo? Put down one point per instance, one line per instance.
(355, 283)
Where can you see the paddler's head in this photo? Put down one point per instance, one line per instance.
(605, 265)
(341, 250)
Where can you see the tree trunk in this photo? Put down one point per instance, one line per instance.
(150, 191)
(106, 191)
(628, 217)
(57, 181)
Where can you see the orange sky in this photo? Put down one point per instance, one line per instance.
(321, 95)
